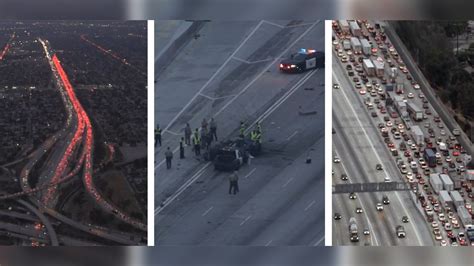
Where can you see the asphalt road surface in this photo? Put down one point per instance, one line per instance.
(360, 148)
(231, 73)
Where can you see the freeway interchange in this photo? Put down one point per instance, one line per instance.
(363, 153)
(64, 158)
(230, 72)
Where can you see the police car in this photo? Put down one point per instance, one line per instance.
(305, 59)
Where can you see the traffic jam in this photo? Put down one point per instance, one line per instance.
(426, 153)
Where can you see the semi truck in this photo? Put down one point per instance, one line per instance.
(457, 198)
(430, 157)
(415, 111)
(346, 44)
(355, 29)
(366, 47)
(446, 200)
(417, 135)
(379, 68)
(356, 46)
(464, 216)
(344, 26)
(448, 184)
(368, 67)
(353, 232)
(436, 183)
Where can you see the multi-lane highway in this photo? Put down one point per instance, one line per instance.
(230, 73)
(67, 152)
(360, 115)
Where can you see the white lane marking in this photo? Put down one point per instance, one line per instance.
(309, 205)
(182, 189)
(292, 135)
(268, 243)
(172, 133)
(251, 62)
(267, 67)
(274, 24)
(319, 242)
(380, 160)
(246, 219)
(280, 101)
(363, 206)
(287, 182)
(249, 174)
(215, 98)
(208, 210)
(244, 89)
(214, 75)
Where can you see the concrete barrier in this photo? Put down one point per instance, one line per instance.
(178, 41)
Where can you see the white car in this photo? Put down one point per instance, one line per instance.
(444, 243)
(416, 86)
(387, 179)
(435, 224)
(336, 159)
(379, 207)
(410, 95)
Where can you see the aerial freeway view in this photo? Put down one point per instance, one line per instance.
(73, 133)
(402, 133)
(239, 126)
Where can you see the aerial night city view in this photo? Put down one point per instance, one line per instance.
(73, 136)
(402, 133)
(239, 120)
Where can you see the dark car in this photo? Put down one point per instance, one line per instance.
(302, 61)
(229, 159)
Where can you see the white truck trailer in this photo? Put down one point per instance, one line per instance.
(368, 67)
(436, 183)
(344, 26)
(415, 111)
(445, 200)
(417, 135)
(448, 184)
(355, 29)
(379, 68)
(356, 46)
(366, 47)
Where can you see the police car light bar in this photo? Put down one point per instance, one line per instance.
(307, 51)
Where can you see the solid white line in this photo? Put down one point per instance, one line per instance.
(252, 62)
(208, 210)
(246, 219)
(205, 96)
(182, 188)
(363, 206)
(213, 98)
(266, 68)
(172, 132)
(251, 172)
(317, 243)
(213, 76)
(309, 205)
(280, 101)
(380, 160)
(287, 182)
(292, 135)
(274, 24)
